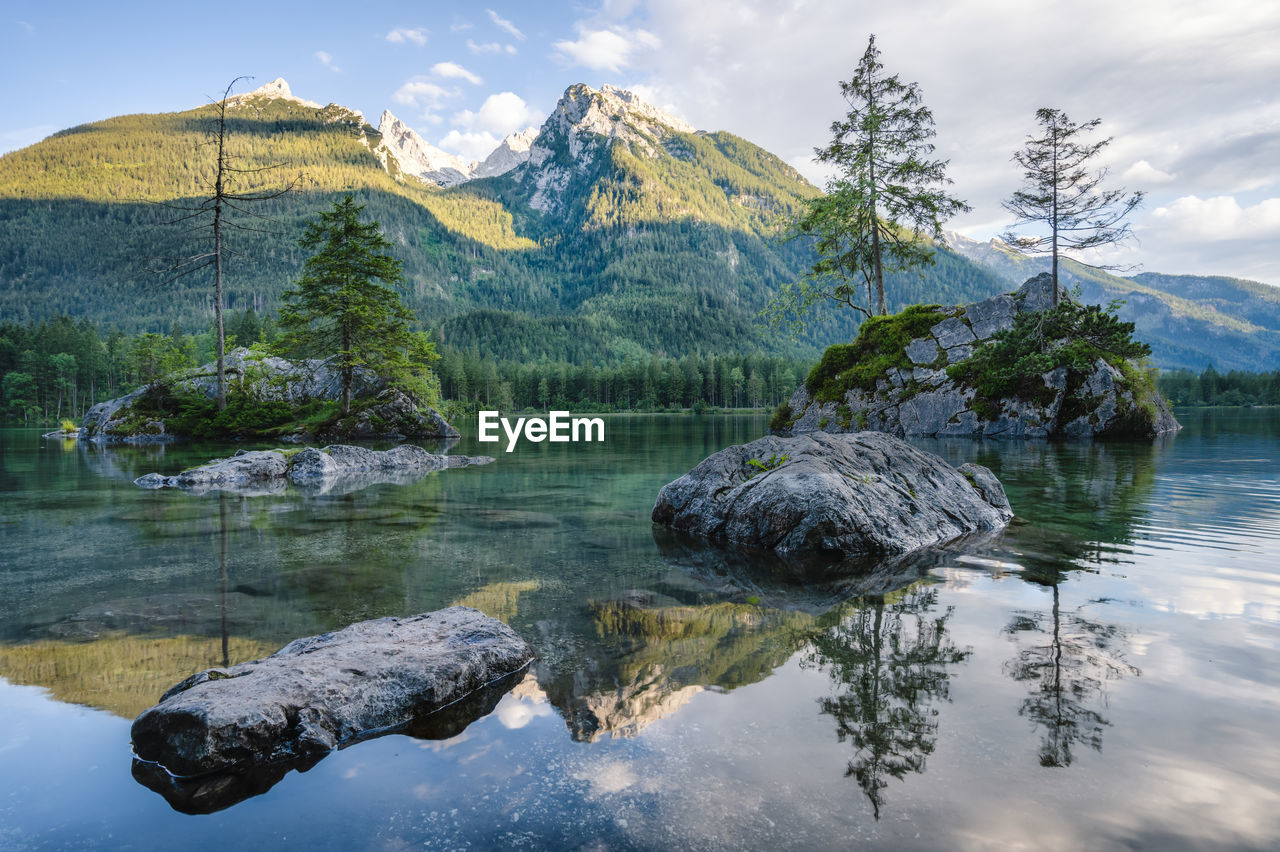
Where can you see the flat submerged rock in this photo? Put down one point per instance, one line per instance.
(319, 693)
(266, 471)
(863, 493)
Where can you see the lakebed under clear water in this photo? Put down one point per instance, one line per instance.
(1102, 675)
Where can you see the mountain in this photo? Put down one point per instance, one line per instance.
(420, 159)
(1190, 321)
(614, 231)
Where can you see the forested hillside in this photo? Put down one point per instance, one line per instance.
(623, 238)
(1191, 322)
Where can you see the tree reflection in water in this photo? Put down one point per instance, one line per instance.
(890, 656)
(1067, 659)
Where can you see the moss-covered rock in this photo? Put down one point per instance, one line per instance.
(268, 397)
(1006, 367)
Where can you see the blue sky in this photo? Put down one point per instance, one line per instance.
(1188, 88)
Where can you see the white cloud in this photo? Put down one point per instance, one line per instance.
(470, 146)
(505, 25)
(500, 114)
(1143, 173)
(326, 60)
(607, 49)
(417, 35)
(454, 70)
(759, 69)
(1219, 218)
(425, 96)
(491, 47)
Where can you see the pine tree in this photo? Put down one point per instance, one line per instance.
(888, 195)
(1061, 192)
(344, 306)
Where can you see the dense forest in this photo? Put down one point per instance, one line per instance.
(1183, 387)
(59, 368)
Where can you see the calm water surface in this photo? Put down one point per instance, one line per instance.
(1103, 675)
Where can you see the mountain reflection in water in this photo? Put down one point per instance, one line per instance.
(1109, 650)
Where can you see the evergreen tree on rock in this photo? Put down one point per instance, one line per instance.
(345, 306)
(885, 206)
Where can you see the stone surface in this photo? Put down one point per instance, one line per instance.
(321, 692)
(923, 350)
(931, 404)
(835, 494)
(267, 471)
(952, 331)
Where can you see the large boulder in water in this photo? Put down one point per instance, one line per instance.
(321, 692)
(864, 493)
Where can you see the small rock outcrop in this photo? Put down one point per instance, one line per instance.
(822, 494)
(390, 414)
(265, 471)
(916, 395)
(319, 693)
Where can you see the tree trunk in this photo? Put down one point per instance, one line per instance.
(217, 256)
(881, 307)
(1054, 300)
(346, 371)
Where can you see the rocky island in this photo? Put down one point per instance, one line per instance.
(294, 401)
(922, 373)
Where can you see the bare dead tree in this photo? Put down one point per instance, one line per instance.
(211, 214)
(1062, 193)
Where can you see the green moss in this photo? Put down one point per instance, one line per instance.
(880, 346)
(782, 419)
(1070, 336)
(822, 424)
(844, 415)
(987, 409)
(1076, 402)
(862, 419)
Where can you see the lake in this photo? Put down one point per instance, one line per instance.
(1105, 674)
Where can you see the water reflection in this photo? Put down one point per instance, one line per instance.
(890, 658)
(1066, 659)
(678, 662)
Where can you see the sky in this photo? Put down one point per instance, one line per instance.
(1188, 91)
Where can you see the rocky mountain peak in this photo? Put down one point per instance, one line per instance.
(277, 89)
(614, 113)
(418, 157)
(511, 152)
(583, 124)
